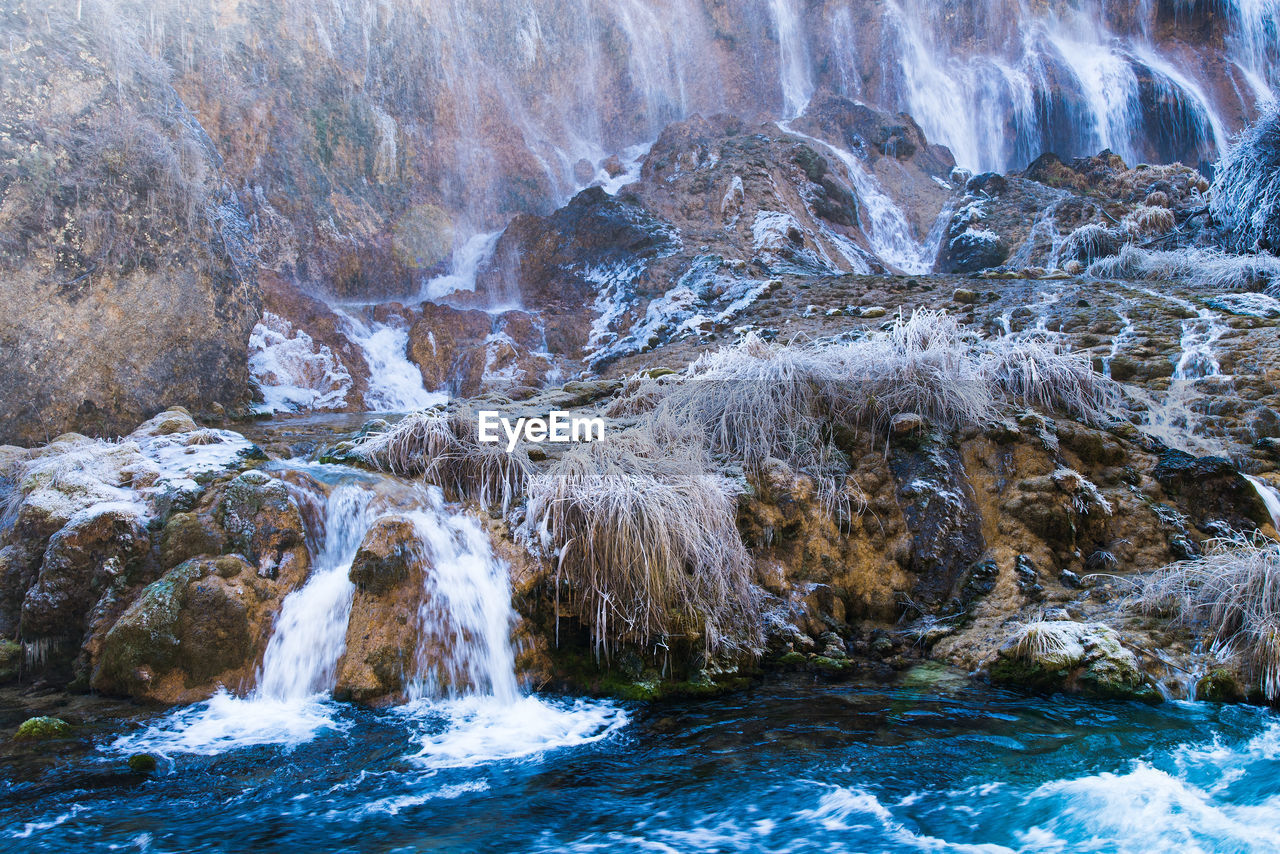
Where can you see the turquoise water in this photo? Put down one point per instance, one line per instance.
(791, 766)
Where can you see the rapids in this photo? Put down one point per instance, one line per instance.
(931, 764)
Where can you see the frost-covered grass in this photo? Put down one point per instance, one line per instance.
(1088, 243)
(1199, 267)
(444, 448)
(1233, 592)
(1246, 187)
(1051, 643)
(1149, 221)
(1039, 372)
(926, 363)
(646, 544)
(759, 400)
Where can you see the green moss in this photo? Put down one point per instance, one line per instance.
(10, 660)
(824, 664)
(142, 763)
(1219, 686)
(38, 729)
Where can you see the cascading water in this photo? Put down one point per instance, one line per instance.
(465, 702)
(395, 383)
(1270, 496)
(310, 632)
(886, 227)
(1068, 78)
(1172, 417)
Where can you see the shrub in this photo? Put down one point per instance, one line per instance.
(443, 447)
(1246, 187)
(1233, 591)
(647, 547)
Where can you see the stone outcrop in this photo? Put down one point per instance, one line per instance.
(383, 632)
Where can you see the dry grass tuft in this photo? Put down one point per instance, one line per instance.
(1234, 592)
(1088, 243)
(647, 547)
(1150, 221)
(1198, 267)
(924, 364)
(443, 447)
(1034, 370)
(1051, 643)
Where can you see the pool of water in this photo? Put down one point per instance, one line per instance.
(932, 764)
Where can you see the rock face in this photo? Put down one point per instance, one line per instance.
(126, 263)
(722, 209)
(382, 634)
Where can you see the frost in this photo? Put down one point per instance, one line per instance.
(294, 372)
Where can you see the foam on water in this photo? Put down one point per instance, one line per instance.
(480, 729)
(226, 722)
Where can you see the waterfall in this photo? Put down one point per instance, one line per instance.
(467, 259)
(465, 704)
(310, 632)
(886, 226)
(465, 616)
(395, 383)
(1270, 496)
(793, 58)
(1001, 81)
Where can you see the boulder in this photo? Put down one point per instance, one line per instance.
(263, 522)
(202, 625)
(98, 548)
(42, 728)
(441, 340)
(387, 554)
(383, 629)
(1081, 658)
(1219, 492)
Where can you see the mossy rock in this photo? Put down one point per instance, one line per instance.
(41, 728)
(1028, 675)
(185, 536)
(142, 763)
(1219, 686)
(10, 660)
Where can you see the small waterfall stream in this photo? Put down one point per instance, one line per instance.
(395, 383)
(464, 698)
(1270, 496)
(310, 632)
